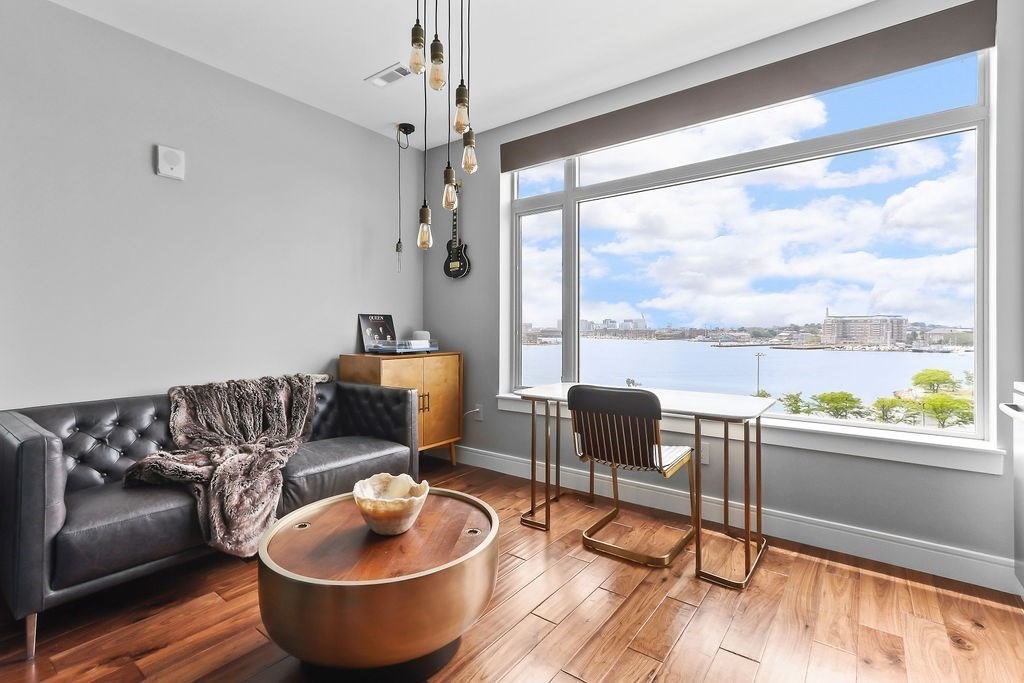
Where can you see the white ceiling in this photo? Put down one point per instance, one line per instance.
(529, 56)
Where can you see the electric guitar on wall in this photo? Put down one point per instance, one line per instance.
(456, 265)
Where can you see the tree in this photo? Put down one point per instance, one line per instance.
(948, 410)
(968, 378)
(838, 404)
(934, 380)
(630, 382)
(763, 394)
(894, 410)
(794, 403)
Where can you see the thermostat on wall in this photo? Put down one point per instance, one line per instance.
(170, 162)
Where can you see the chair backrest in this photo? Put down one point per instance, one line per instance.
(619, 427)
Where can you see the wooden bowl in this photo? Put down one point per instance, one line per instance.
(390, 504)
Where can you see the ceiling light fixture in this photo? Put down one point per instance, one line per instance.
(438, 77)
(450, 197)
(469, 161)
(424, 240)
(403, 129)
(461, 122)
(417, 60)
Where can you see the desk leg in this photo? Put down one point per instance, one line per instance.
(558, 450)
(533, 457)
(698, 513)
(746, 498)
(528, 518)
(751, 560)
(757, 457)
(725, 476)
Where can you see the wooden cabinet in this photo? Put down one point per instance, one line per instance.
(436, 376)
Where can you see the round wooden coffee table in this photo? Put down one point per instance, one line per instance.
(333, 593)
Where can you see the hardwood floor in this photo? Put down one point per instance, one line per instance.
(562, 613)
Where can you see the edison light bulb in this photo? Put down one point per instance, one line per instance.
(461, 122)
(438, 77)
(469, 163)
(450, 198)
(424, 240)
(417, 60)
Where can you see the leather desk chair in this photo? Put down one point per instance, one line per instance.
(621, 428)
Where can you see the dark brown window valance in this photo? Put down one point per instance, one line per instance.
(959, 30)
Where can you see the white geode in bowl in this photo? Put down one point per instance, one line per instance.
(390, 504)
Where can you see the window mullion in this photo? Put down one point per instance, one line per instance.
(570, 275)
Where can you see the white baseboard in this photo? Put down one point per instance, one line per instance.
(952, 562)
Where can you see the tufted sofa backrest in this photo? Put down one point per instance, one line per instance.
(103, 438)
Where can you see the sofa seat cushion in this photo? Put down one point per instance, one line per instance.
(110, 528)
(329, 467)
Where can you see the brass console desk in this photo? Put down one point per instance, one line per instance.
(702, 407)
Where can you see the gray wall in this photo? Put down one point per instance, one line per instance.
(115, 282)
(969, 512)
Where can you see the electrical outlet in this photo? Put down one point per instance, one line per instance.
(479, 414)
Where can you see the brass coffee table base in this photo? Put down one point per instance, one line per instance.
(381, 621)
(419, 669)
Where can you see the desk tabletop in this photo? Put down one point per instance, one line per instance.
(673, 401)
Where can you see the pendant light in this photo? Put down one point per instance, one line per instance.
(403, 129)
(461, 122)
(424, 240)
(438, 77)
(450, 197)
(417, 60)
(469, 162)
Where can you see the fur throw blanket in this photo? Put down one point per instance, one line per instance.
(234, 438)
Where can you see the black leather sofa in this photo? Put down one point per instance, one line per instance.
(68, 527)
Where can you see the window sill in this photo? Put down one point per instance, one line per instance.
(929, 450)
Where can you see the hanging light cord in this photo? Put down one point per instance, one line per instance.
(469, 45)
(462, 41)
(448, 144)
(418, 10)
(424, 137)
(398, 139)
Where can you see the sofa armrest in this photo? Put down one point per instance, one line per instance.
(32, 481)
(383, 412)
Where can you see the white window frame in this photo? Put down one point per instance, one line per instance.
(797, 431)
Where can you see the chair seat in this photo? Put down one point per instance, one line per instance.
(674, 457)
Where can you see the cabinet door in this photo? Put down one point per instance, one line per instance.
(442, 384)
(406, 373)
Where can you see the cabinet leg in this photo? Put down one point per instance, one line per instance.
(451, 453)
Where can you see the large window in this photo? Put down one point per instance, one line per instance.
(825, 251)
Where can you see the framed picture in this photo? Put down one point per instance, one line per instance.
(376, 328)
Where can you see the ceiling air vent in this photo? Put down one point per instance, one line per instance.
(396, 71)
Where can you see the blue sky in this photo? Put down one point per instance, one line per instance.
(879, 231)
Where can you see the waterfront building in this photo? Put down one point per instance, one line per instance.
(868, 330)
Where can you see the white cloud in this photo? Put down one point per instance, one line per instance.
(759, 129)
(942, 212)
(712, 250)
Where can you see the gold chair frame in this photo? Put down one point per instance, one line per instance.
(621, 441)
